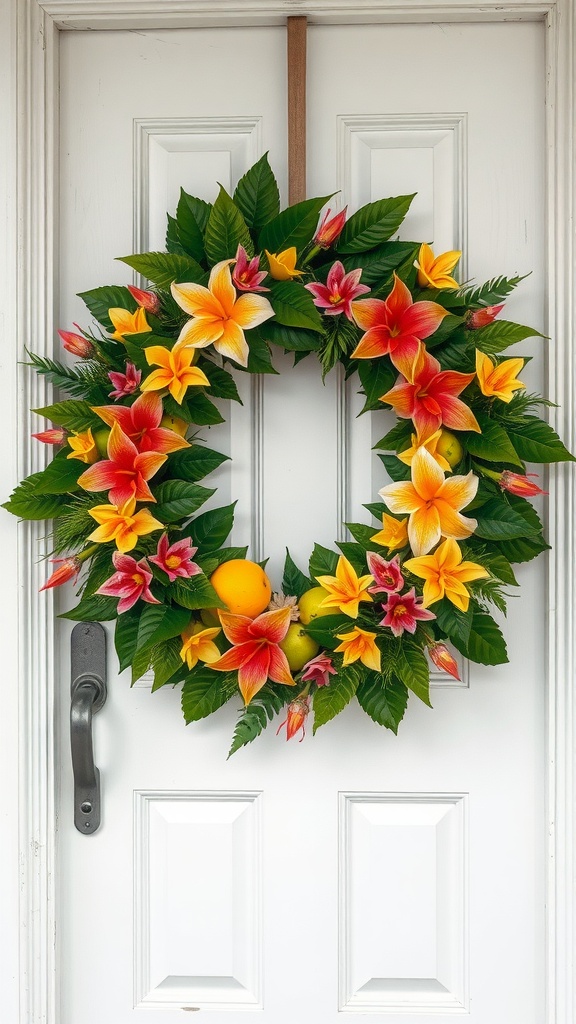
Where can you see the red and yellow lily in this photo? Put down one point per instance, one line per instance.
(176, 373)
(141, 423)
(445, 574)
(125, 472)
(395, 326)
(346, 589)
(122, 524)
(432, 503)
(256, 654)
(219, 316)
(428, 396)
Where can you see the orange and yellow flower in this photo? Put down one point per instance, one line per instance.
(431, 445)
(256, 653)
(126, 323)
(394, 533)
(428, 396)
(83, 447)
(359, 644)
(445, 574)
(346, 589)
(176, 372)
(283, 264)
(498, 380)
(434, 271)
(199, 645)
(432, 503)
(122, 524)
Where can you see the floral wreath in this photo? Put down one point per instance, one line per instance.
(123, 489)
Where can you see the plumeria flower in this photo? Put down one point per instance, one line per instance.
(131, 582)
(434, 271)
(126, 323)
(359, 644)
(125, 472)
(340, 289)
(83, 446)
(429, 397)
(247, 275)
(394, 533)
(122, 524)
(283, 264)
(441, 657)
(517, 483)
(199, 644)
(176, 559)
(431, 445)
(395, 326)
(255, 652)
(219, 317)
(297, 712)
(387, 575)
(125, 383)
(404, 612)
(433, 503)
(68, 569)
(141, 423)
(346, 589)
(176, 372)
(483, 317)
(318, 670)
(445, 574)
(77, 345)
(498, 380)
(148, 300)
(57, 435)
(329, 229)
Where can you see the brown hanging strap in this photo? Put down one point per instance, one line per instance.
(296, 108)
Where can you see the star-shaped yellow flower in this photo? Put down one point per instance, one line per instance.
(394, 533)
(83, 447)
(283, 264)
(199, 646)
(444, 574)
(176, 372)
(122, 524)
(498, 381)
(346, 589)
(360, 644)
(128, 323)
(434, 271)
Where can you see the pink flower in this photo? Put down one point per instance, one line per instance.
(329, 228)
(125, 383)
(77, 345)
(148, 300)
(176, 560)
(318, 670)
(68, 570)
(130, 582)
(387, 575)
(296, 717)
(246, 275)
(441, 657)
(339, 291)
(403, 611)
(517, 483)
(55, 436)
(483, 317)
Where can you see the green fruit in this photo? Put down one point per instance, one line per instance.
(298, 646)
(309, 605)
(101, 441)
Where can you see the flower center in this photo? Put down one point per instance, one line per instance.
(173, 561)
(138, 578)
(399, 610)
(335, 299)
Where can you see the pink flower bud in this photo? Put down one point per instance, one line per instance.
(148, 300)
(68, 569)
(55, 436)
(329, 228)
(483, 317)
(77, 345)
(517, 483)
(296, 717)
(441, 657)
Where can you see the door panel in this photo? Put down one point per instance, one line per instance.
(356, 872)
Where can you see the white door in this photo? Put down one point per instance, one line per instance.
(357, 871)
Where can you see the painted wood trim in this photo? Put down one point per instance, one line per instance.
(35, 79)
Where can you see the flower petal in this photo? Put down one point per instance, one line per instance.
(279, 669)
(273, 625)
(459, 491)
(369, 313)
(427, 476)
(422, 319)
(424, 530)
(196, 300)
(200, 333)
(452, 523)
(373, 344)
(233, 344)
(401, 498)
(251, 310)
(253, 674)
(235, 627)
(220, 284)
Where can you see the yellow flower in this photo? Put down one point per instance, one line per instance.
(199, 646)
(434, 271)
(433, 504)
(346, 589)
(283, 264)
(176, 373)
(128, 323)
(430, 444)
(83, 447)
(393, 533)
(359, 644)
(498, 380)
(122, 524)
(444, 574)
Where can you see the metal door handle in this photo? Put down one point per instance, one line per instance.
(88, 692)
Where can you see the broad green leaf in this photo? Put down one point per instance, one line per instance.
(412, 667)
(330, 700)
(191, 219)
(397, 438)
(496, 563)
(178, 499)
(485, 645)
(205, 691)
(226, 230)
(454, 623)
(355, 554)
(498, 521)
(160, 622)
(194, 463)
(396, 469)
(324, 628)
(254, 718)
(196, 592)
(259, 358)
(363, 534)
(524, 549)
(377, 377)
(294, 339)
(536, 441)
(257, 194)
(141, 662)
(323, 562)
(497, 336)
(446, 328)
(60, 476)
(294, 306)
(100, 300)
(93, 609)
(209, 530)
(201, 410)
(294, 582)
(385, 704)
(25, 503)
(492, 445)
(72, 414)
(222, 383)
(166, 661)
(162, 268)
(455, 353)
(295, 226)
(377, 265)
(173, 243)
(228, 554)
(126, 636)
(373, 224)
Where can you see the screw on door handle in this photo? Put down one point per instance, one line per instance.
(88, 692)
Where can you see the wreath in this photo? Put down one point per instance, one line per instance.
(240, 277)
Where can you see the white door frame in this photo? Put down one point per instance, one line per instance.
(29, 35)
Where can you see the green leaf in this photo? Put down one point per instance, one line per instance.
(397, 438)
(93, 609)
(294, 306)
(330, 700)
(377, 377)
(324, 628)
(497, 336)
(226, 230)
(396, 469)
(492, 445)
(377, 265)
(160, 622)
(373, 224)
(411, 666)
(257, 195)
(100, 300)
(254, 718)
(385, 704)
(72, 414)
(140, 664)
(191, 219)
(496, 563)
(60, 476)
(173, 243)
(498, 521)
(294, 339)
(524, 549)
(126, 636)
(178, 499)
(206, 690)
(194, 463)
(454, 623)
(162, 268)
(294, 582)
(492, 292)
(536, 441)
(166, 661)
(486, 645)
(323, 562)
(25, 503)
(87, 379)
(196, 592)
(355, 554)
(363, 534)
(202, 411)
(259, 358)
(210, 529)
(295, 226)
(222, 383)
(228, 554)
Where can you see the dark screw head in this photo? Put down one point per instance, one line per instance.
(86, 807)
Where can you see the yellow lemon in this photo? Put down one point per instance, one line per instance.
(298, 646)
(101, 441)
(309, 605)
(450, 448)
(209, 616)
(174, 423)
(243, 586)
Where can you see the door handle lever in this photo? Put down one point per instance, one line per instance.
(88, 692)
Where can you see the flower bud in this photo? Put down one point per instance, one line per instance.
(329, 228)
(483, 317)
(442, 659)
(296, 717)
(55, 436)
(148, 300)
(68, 569)
(517, 483)
(77, 345)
